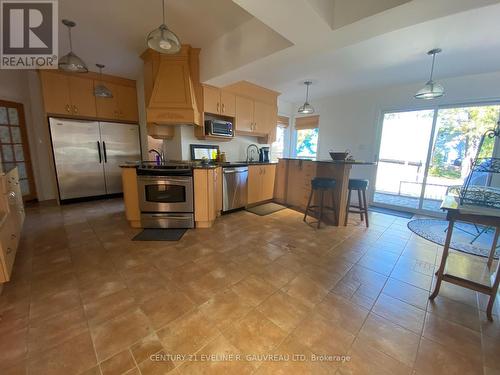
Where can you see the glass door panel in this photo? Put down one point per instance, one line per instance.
(402, 158)
(457, 135)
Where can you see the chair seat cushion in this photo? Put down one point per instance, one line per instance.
(358, 184)
(323, 183)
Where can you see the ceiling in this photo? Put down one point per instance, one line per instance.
(340, 45)
(113, 32)
(384, 49)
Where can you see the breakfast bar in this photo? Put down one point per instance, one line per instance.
(293, 184)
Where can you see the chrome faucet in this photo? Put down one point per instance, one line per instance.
(250, 151)
(161, 155)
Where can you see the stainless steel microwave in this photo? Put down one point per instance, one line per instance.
(219, 128)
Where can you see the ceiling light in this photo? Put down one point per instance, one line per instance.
(306, 108)
(162, 39)
(100, 90)
(71, 62)
(431, 90)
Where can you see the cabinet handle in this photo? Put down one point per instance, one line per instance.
(12, 236)
(68, 108)
(218, 107)
(223, 110)
(9, 250)
(75, 109)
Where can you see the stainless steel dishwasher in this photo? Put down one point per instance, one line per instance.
(234, 188)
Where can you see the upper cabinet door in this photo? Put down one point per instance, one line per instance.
(263, 117)
(107, 108)
(211, 100)
(228, 103)
(82, 96)
(127, 103)
(56, 93)
(244, 114)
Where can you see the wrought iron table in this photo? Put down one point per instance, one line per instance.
(477, 215)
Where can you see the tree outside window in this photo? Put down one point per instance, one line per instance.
(307, 143)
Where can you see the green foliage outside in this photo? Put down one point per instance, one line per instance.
(307, 143)
(461, 129)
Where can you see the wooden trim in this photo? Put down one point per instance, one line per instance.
(283, 121)
(307, 122)
(26, 148)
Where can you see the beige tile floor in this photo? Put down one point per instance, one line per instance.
(85, 299)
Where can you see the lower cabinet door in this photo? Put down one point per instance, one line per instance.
(268, 177)
(254, 183)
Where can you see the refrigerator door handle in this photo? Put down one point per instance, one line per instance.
(104, 150)
(99, 150)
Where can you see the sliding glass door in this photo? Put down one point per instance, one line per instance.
(425, 154)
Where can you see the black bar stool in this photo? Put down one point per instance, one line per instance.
(322, 185)
(362, 208)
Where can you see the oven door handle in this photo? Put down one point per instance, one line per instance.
(167, 216)
(166, 179)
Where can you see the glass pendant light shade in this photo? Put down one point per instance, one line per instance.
(162, 39)
(71, 62)
(100, 90)
(306, 108)
(431, 90)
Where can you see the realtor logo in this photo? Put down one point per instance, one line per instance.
(29, 34)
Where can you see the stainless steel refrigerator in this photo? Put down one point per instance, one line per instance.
(88, 155)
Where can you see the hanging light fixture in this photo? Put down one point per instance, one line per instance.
(162, 39)
(306, 108)
(71, 62)
(431, 90)
(100, 90)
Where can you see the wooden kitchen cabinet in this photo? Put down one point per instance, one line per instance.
(244, 114)
(73, 95)
(131, 197)
(122, 106)
(218, 102)
(68, 95)
(207, 203)
(81, 92)
(12, 210)
(261, 182)
(254, 116)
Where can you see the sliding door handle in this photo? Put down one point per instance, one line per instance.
(99, 151)
(104, 150)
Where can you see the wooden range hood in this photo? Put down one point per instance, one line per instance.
(172, 90)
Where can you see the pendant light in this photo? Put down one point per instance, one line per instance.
(306, 108)
(431, 90)
(71, 62)
(162, 39)
(100, 90)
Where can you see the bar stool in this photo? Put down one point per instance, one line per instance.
(362, 208)
(321, 185)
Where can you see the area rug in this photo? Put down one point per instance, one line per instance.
(388, 211)
(266, 209)
(160, 235)
(463, 233)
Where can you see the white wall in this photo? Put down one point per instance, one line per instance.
(23, 86)
(352, 120)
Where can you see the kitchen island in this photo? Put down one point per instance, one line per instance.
(293, 183)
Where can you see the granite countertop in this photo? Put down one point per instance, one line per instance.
(331, 161)
(197, 165)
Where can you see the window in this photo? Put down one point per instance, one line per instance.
(278, 146)
(307, 143)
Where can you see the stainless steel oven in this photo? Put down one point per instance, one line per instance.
(166, 197)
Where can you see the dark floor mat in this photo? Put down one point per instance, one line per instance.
(266, 209)
(160, 235)
(388, 211)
